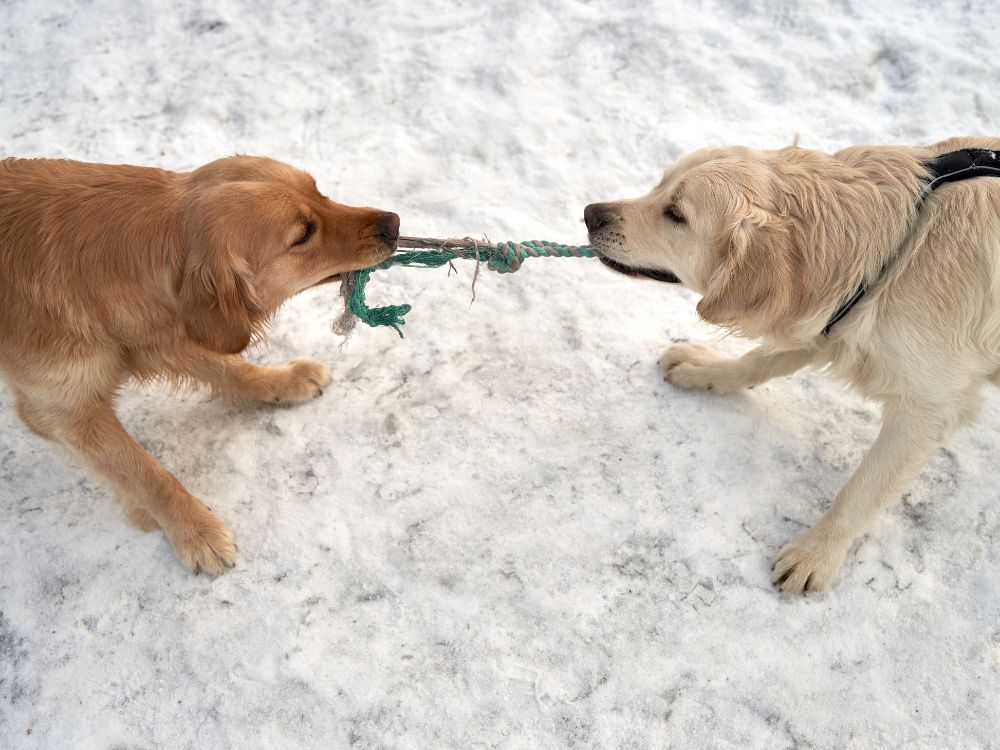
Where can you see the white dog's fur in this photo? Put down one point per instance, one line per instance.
(776, 241)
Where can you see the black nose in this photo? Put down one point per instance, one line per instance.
(597, 215)
(388, 227)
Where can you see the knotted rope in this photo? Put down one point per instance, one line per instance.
(502, 257)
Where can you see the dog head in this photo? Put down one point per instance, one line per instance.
(255, 232)
(719, 223)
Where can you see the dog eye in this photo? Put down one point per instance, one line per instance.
(308, 230)
(674, 215)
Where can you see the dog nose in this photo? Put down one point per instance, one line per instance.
(597, 215)
(388, 226)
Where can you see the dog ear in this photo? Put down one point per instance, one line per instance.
(757, 289)
(218, 301)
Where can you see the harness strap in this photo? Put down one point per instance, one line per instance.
(963, 164)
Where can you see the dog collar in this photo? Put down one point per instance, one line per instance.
(963, 164)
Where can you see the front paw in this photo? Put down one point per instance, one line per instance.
(200, 540)
(300, 380)
(696, 367)
(809, 562)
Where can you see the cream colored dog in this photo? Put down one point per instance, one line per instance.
(778, 242)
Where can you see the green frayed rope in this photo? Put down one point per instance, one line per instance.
(502, 257)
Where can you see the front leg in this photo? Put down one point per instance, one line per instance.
(231, 375)
(697, 366)
(299, 380)
(910, 433)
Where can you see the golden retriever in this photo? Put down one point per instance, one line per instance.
(116, 272)
(778, 242)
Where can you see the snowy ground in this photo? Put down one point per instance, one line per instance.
(505, 530)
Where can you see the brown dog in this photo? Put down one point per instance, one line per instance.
(111, 272)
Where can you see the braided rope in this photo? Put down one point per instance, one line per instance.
(427, 252)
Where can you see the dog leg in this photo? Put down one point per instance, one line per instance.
(140, 517)
(697, 366)
(232, 376)
(910, 434)
(33, 417)
(200, 540)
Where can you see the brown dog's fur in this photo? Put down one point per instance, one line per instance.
(776, 241)
(116, 272)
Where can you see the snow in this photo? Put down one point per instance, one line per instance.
(505, 530)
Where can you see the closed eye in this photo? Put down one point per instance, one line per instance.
(308, 230)
(674, 215)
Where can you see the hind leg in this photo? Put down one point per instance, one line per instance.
(74, 406)
(31, 415)
(139, 516)
(200, 540)
(39, 420)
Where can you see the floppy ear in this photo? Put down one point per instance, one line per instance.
(758, 287)
(217, 296)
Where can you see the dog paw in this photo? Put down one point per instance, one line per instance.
(300, 380)
(808, 563)
(202, 542)
(696, 367)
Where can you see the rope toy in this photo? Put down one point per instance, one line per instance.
(502, 257)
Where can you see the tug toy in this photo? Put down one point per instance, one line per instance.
(503, 257)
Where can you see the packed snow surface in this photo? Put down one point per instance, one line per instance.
(504, 530)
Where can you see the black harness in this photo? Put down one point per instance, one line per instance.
(957, 165)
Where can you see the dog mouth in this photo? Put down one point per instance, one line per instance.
(649, 273)
(384, 250)
(328, 280)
